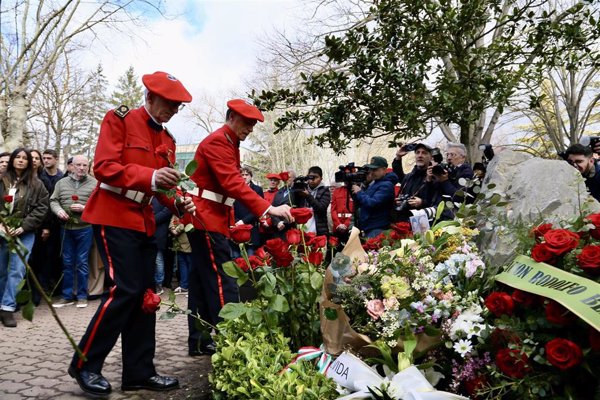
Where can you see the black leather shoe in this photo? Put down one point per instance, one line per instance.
(90, 382)
(204, 350)
(157, 383)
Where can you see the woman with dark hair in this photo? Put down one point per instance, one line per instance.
(24, 199)
(36, 157)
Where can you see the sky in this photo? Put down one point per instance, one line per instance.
(210, 46)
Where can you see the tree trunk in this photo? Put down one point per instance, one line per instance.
(17, 120)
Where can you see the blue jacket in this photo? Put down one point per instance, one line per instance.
(593, 183)
(375, 204)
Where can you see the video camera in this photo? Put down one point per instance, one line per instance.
(488, 153)
(300, 183)
(402, 203)
(351, 174)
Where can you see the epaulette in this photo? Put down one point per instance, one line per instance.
(170, 135)
(122, 111)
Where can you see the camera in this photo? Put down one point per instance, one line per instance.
(590, 141)
(351, 174)
(488, 152)
(402, 203)
(409, 147)
(436, 155)
(440, 168)
(300, 183)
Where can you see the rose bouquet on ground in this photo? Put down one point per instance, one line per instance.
(546, 342)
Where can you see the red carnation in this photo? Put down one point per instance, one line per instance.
(301, 215)
(542, 253)
(557, 314)
(314, 257)
(513, 363)
(541, 230)
(293, 236)
(318, 241)
(151, 302)
(563, 353)
(595, 220)
(589, 259)
(500, 303)
(8, 198)
(241, 233)
(74, 197)
(561, 241)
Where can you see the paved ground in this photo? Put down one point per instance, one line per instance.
(34, 358)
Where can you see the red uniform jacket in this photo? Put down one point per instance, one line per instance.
(125, 158)
(218, 171)
(270, 195)
(340, 214)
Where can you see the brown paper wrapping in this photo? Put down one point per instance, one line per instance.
(338, 334)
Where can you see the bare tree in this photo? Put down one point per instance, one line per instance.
(34, 35)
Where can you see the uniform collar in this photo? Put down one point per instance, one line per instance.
(231, 136)
(152, 122)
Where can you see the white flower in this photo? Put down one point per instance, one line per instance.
(463, 347)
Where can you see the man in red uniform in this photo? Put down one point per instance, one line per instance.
(219, 185)
(342, 207)
(274, 180)
(130, 165)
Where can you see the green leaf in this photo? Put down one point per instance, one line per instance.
(279, 303)
(233, 310)
(23, 296)
(254, 316)
(27, 311)
(316, 280)
(439, 210)
(167, 315)
(191, 167)
(233, 270)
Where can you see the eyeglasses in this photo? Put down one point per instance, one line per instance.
(175, 104)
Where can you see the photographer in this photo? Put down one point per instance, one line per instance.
(285, 195)
(581, 157)
(447, 177)
(376, 201)
(416, 187)
(316, 196)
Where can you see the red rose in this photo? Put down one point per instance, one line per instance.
(374, 243)
(241, 263)
(473, 385)
(333, 241)
(542, 253)
(557, 314)
(525, 299)
(8, 198)
(541, 230)
(561, 241)
(276, 246)
(293, 236)
(402, 228)
(284, 176)
(500, 303)
(512, 363)
(589, 259)
(594, 338)
(74, 197)
(261, 253)
(255, 262)
(165, 152)
(301, 215)
(151, 302)
(318, 241)
(241, 233)
(308, 236)
(563, 353)
(283, 259)
(595, 220)
(314, 257)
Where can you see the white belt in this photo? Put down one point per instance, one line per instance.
(342, 215)
(138, 197)
(217, 198)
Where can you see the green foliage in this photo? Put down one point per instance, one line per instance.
(128, 92)
(418, 62)
(249, 362)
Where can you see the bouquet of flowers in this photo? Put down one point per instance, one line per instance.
(428, 286)
(546, 316)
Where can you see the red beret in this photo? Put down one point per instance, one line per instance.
(167, 86)
(273, 176)
(245, 109)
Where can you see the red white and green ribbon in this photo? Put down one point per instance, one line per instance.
(311, 353)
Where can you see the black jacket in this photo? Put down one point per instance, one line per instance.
(241, 212)
(162, 215)
(319, 204)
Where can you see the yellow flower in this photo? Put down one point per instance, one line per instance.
(395, 286)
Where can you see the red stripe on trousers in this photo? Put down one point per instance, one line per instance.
(111, 293)
(214, 265)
